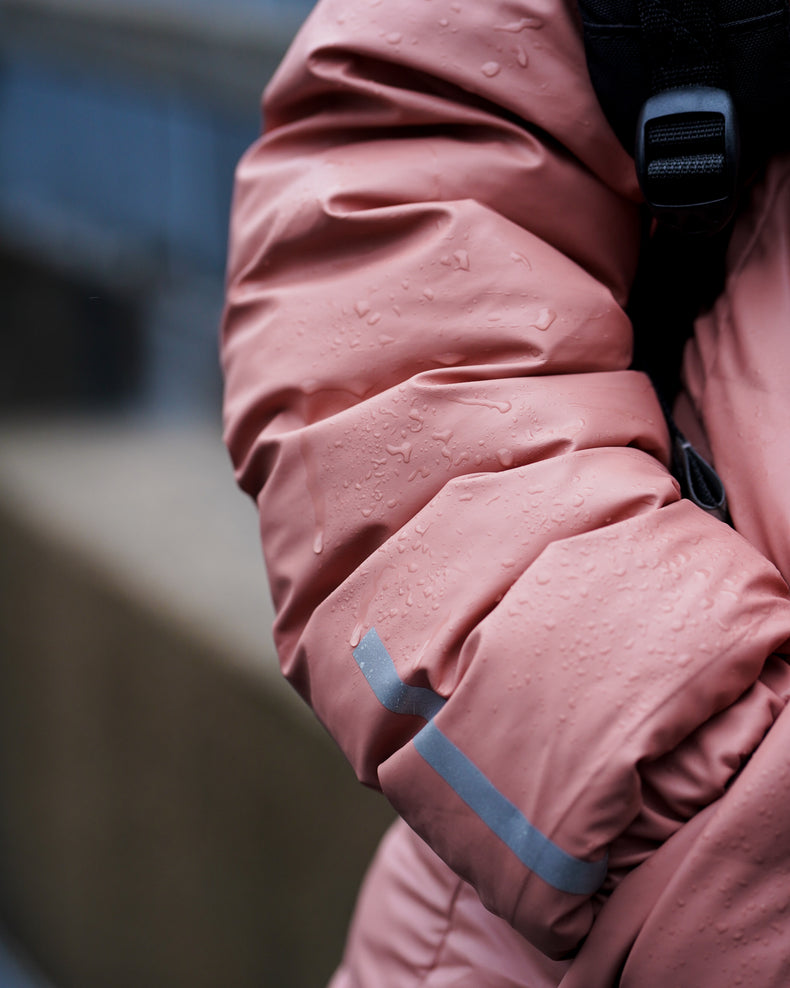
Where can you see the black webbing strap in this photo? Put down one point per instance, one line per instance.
(698, 480)
(676, 278)
(687, 142)
(683, 47)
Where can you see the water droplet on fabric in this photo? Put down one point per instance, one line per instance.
(417, 421)
(545, 318)
(423, 472)
(503, 407)
(448, 359)
(514, 27)
(404, 451)
(490, 69)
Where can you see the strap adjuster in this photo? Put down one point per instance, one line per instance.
(687, 157)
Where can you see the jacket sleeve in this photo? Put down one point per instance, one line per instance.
(486, 584)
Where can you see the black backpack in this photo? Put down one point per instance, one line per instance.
(699, 94)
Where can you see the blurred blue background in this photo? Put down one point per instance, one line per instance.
(170, 814)
(121, 122)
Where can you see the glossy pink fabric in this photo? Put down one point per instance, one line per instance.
(418, 923)
(428, 394)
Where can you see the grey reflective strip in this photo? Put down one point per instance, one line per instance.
(541, 855)
(376, 663)
(555, 866)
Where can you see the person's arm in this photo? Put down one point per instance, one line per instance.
(486, 584)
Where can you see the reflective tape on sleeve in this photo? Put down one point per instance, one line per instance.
(378, 668)
(533, 849)
(536, 852)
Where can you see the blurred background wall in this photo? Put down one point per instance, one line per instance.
(170, 815)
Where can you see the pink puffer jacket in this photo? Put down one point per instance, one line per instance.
(487, 586)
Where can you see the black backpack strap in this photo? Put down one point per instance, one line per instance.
(688, 140)
(638, 49)
(669, 75)
(682, 44)
(698, 480)
(676, 279)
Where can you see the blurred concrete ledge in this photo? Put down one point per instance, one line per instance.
(154, 507)
(170, 813)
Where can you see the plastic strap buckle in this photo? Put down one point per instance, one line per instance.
(688, 157)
